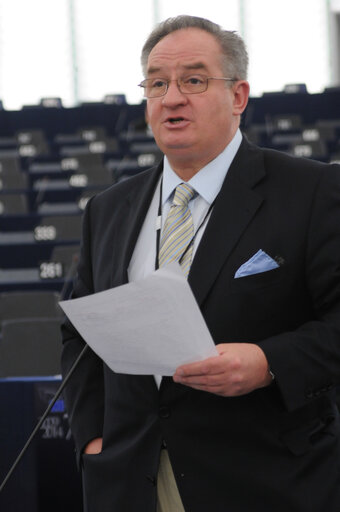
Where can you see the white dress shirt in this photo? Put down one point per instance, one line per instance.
(207, 183)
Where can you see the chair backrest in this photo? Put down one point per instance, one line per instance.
(30, 347)
(14, 181)
(10, 165)
(67, 255)
(91, 177)
(13, 204)
(29, 304)
(59, 227)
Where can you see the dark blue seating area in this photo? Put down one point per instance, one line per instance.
(302, 124)
(53, 159)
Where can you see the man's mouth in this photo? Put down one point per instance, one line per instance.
(175, 120)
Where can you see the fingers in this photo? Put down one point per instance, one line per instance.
(209, 366)
(238, 369)
(212, 375)
(222, 383)
(203, 380)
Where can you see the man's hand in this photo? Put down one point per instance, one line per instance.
(94, 446)
(238, 369)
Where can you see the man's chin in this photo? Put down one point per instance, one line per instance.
(176, 146)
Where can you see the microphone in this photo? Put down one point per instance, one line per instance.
(44, 416)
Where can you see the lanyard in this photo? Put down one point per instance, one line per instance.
(159, 227)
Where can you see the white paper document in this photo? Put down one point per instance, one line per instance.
(147, 327)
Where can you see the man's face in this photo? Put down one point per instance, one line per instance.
(192, 129)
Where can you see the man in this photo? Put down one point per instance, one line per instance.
(255, 428)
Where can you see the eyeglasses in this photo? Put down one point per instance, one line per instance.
(189, 84)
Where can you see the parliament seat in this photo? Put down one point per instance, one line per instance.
(29, 304)
(30, 347)
(13, 204)
(14, 181)
(61, 265)
(10, 165)
(58, 228)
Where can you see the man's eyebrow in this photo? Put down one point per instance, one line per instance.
(153, 70)
(195, 65)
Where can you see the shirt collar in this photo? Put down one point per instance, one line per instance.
(207, 181)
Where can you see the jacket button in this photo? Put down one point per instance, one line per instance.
(164, 412)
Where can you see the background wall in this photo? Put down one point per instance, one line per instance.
(81, 50)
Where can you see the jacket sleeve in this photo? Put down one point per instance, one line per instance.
(84, 393)
(306, 362)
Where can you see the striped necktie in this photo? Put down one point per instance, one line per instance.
(178, 230)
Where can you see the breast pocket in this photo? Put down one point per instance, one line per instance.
(260, 280)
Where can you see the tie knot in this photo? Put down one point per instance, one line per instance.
(183, 194)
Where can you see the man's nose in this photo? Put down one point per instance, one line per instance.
(173, 95)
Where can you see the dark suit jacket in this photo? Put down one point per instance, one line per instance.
(275, 449)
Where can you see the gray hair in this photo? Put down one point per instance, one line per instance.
(234, 52)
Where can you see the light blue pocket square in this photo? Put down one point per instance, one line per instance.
(260, 262)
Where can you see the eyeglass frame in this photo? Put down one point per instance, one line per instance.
(178, 80)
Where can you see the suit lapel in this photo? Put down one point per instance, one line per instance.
(132, 216)
(235, 206)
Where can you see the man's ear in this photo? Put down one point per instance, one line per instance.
(241, 95)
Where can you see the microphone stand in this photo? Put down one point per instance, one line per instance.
(44, 416)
